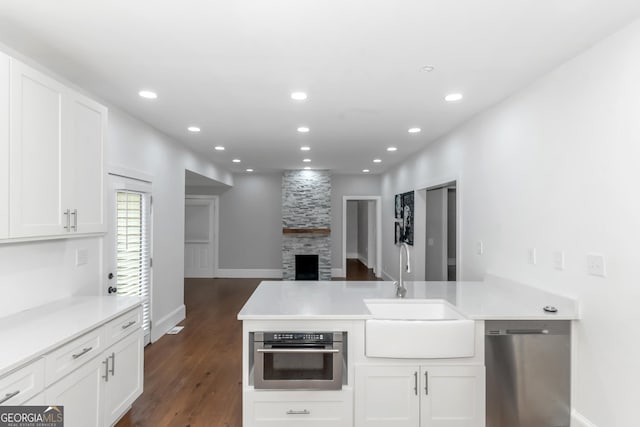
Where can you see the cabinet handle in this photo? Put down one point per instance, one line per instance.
(426, 383)
(9, 396)
(415, 383)
(68, 215)
(113, 364)
(83, 352)
(75, 220)
(303, 412)
(106, 369)
(131, 323)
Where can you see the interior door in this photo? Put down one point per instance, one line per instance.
(199, 244)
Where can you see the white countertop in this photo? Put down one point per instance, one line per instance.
(493, 299)
(31, 333)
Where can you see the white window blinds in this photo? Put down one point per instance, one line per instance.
(133, 248)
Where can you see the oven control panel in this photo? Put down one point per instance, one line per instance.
(300, 337)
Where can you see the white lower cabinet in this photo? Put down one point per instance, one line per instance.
(299, 408)
(424, 396)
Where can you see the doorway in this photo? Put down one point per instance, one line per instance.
(441, 258)
(200, 233)
(128, 244)
(361, 231)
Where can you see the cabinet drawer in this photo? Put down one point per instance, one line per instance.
(20, 386)
(123, 325)
(298, 413)
(70, 356)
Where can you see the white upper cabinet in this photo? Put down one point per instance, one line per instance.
(56, 158)
(4, 146)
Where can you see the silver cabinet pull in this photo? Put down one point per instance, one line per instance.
(131, 323)
(297, 350)
(426, 383)
(9, 396)
(106, 369)
(68, 215)
(415, 383)
(303, 412)
(83, 352)
(113, 364)
(75, 220)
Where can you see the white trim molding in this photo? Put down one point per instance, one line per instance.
(162, 326)
(337, 272)
(378, 258)
(578, 420)
(249, 273)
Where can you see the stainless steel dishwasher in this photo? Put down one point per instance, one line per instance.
(528, 366)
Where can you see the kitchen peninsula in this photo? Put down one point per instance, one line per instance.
(430, 372)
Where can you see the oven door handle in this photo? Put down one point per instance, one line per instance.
(298, 350)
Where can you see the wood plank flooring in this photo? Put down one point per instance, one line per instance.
(194, 378)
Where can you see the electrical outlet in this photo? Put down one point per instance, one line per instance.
(430, 241)
(533, 256)
(480, 247)
(558, 260)
(82, 257)
(596, 265)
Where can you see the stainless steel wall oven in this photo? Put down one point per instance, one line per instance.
(299, 360)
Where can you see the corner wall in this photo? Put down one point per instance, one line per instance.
(555, 167)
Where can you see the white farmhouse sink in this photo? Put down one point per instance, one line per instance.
(418, 329)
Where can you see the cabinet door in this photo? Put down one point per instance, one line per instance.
(124, 385)
(83, 165)
(35, 154)
(452, 396)
(4, 146)
(80, 393)
(387, 396)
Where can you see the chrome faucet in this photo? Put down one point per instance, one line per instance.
(401, 290)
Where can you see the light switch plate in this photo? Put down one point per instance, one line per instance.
(558, 260)
(533, 256)
(480, 247)
(82, 257)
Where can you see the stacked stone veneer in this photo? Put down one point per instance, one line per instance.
(306, 204)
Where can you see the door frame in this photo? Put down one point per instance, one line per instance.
(441, 182)
(378, 204)
(215, 225)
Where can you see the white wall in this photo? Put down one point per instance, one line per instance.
(556, 167)
(347, 185)
(363, 231)
(251, 224)
(352, 228)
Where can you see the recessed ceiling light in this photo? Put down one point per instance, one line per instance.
(377, 161)
(236, 160)
(193, 129)
(307, 168)
(306, 160)
(305, 148)
(427, 68)
(303, 129)
(453, 97)
(366, 170)
(299, 96)
(249, 170)
(148, 94)
(414, 130)
(219, 148)
(392, 149)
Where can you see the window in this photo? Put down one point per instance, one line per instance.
(133, 255)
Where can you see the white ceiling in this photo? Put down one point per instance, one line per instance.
(229, 66)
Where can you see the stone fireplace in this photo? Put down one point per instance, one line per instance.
(306, 221)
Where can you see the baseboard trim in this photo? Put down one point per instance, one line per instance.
(363, 260)
(160, 327)
(249, 273)
(352, 255)
(578, 420)
(337, 272)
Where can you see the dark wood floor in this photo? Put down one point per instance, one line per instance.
(194, 378)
